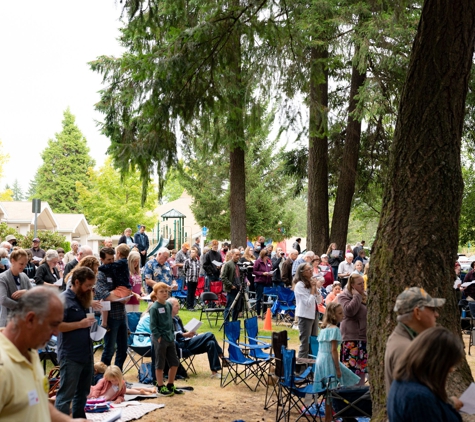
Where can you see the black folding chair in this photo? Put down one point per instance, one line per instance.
(210, 307)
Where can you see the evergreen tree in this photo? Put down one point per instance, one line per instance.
(66, 161)
(206, 178)
(32, 188)
(17, 191)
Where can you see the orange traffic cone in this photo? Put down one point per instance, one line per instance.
(268, 321)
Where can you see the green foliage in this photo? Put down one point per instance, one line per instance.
(49, 240)
(173, 188)
(65, 161)
(112, 203)
(184, 63)
(5, 230)
(32, 188)
(467, 215)
(205, 176)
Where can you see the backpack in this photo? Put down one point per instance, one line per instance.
(146, 373)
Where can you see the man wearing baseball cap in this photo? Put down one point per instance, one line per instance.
(36, 251)
(416, 312)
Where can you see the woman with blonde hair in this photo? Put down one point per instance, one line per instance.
(353, 327)
(418, 392)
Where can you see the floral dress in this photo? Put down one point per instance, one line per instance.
(325, 366)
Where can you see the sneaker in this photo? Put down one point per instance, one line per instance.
(174, 390)
(164, 391)
(216, 376)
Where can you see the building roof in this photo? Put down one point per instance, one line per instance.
(173, 213)
(21, 212)
(72, 223)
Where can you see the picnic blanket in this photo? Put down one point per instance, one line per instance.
(131, 410)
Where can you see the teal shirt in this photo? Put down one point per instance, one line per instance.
(161, 322)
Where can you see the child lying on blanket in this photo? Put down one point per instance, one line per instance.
(112, 387)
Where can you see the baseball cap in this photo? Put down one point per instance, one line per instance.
(324, 256)
(186, 245)
(36, 239)
(415, 297)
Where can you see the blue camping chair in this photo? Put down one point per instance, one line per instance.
(180, 293)
(252, 338)
(136, 353)
(292, 395)
(240, 367)
(284, 307)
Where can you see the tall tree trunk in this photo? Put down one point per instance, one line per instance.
(417, 237)
(317, 209)
(237, 200)
(349, 163)
(237, 168)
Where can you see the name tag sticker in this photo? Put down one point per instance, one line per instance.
(109, 280)
(161, 310)
(33, 398)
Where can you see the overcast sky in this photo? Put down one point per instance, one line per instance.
(45, 47)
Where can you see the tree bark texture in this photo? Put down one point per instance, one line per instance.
(317, 210)
(417, 236)
(349, 163)
(237, 167)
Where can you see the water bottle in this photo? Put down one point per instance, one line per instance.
(464, 313)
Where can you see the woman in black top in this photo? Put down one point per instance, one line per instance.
(47, 273)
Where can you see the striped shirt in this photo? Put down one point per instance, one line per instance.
(191, 269)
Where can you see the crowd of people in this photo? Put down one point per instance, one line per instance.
(53, 293)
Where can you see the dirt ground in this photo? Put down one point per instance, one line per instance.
(210, 402)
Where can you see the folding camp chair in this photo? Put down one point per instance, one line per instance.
(186, 359)
(240, 368)
(180, 293)
(350, 402)
(279, 339)
(252, 338)
(292, 395)
(217, 288)
(136, 353)
(209, 302)
(284, 307)
(200, 288)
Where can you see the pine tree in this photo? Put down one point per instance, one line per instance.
(66, 161)
(17, 191)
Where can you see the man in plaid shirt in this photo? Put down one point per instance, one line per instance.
(191, 269)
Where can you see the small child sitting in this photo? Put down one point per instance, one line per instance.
(111, 388)
(119, 273)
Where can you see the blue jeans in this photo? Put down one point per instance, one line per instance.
(335, 273)
(75, 384)
(117, 334)
(230, 296)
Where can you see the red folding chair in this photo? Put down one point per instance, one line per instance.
(217, 288)
(200, 288)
